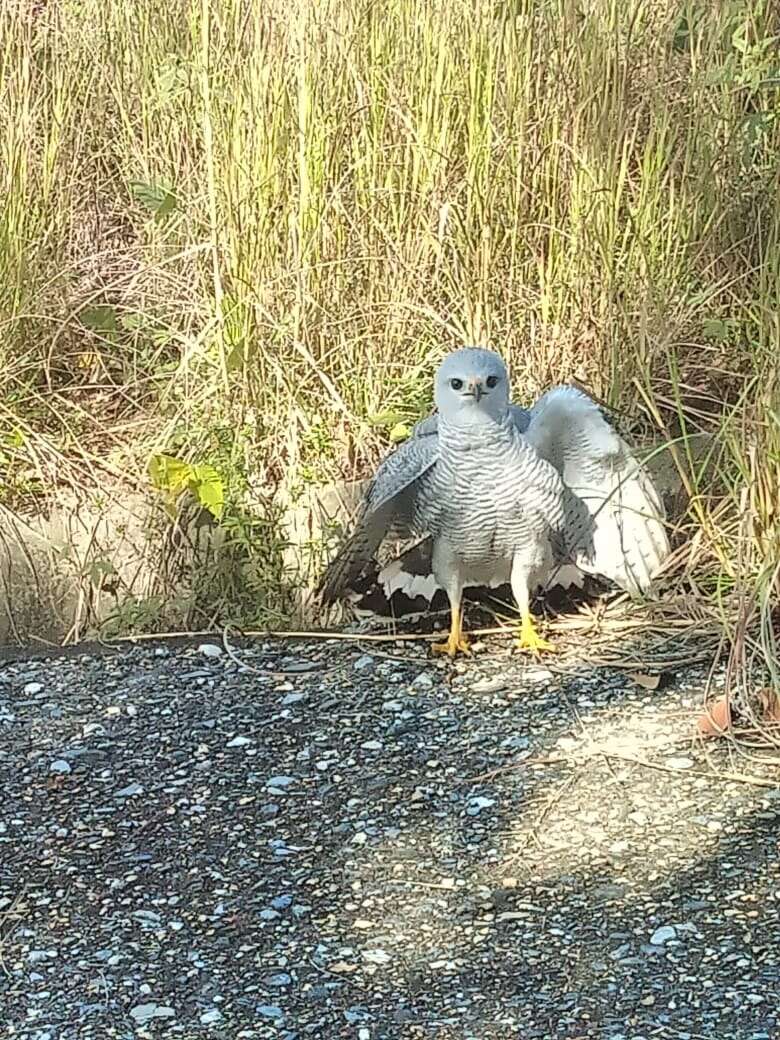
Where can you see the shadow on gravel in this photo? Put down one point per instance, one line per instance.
(299, 849)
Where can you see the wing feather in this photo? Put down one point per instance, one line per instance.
(387, 510)
(626, 539)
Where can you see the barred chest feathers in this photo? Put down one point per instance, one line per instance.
(488, 490)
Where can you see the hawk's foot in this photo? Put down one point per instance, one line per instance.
(456, 644)
(528, 638)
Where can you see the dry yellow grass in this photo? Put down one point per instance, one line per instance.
(244, 233)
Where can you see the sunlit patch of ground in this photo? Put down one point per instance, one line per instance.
(318, 840)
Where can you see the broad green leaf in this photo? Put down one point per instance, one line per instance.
(714, 328)
(206, 484)
(166, 207)
(99, 318)
(399, 432)
(155, 197)
(386, 418)
(169, 473)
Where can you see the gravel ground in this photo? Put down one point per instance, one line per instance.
(330, 841)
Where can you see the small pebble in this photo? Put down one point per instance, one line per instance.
(270, 1011)
(293, 698)
(663, 935)
(212, 1017)
(143, 1013)
(280, 980)
(238, 742)
(490, 684)
(537, 675)
(477, 804)
(423, 681)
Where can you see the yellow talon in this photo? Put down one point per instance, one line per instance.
(456, 641)
(452, 646)
(529, 639)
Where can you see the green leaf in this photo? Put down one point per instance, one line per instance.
(133, 321)
(206, 484)
(386, 418)
(399, 432)
(739, 39)
(169, 473)
(714, 328)
(167, 206)
(99, 318)
(155, 197)
(96, 570)
(173, 476)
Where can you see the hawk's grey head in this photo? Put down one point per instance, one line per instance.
(472, 386)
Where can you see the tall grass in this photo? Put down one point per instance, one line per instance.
(245, 233)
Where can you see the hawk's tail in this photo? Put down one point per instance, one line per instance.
(348, 564)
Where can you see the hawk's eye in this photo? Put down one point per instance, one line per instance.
(492, 381)
(456, 384)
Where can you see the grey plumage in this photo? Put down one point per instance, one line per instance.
(501, 494)
(626, 540)
(390, 508)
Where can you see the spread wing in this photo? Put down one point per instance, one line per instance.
(626, 539)
(387, 510)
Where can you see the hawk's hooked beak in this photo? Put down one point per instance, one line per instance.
(475, 389)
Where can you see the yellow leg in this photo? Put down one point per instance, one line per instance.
(528, 638)
(456, 641)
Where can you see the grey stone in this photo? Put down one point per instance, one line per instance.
(143, 1013)
(478, 803)
(270, 1011)
(280, 980)
(293, 698)
(663, 935)
(211, 1017)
